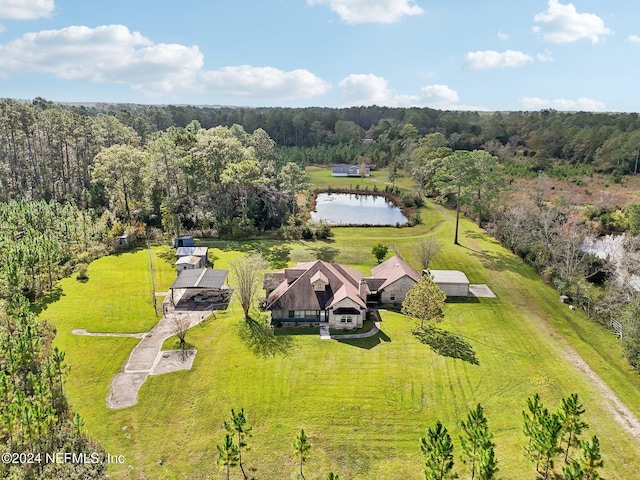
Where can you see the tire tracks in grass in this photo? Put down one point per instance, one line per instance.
(618, 409)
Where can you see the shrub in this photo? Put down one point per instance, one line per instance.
(82, 275)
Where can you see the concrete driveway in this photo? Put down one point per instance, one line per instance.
(145, 356)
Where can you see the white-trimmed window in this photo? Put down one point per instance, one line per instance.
(346, 319)
(392, 295)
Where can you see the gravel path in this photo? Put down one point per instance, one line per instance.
(622, 414)
(625, 417)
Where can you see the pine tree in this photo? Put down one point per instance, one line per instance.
(238, 425)
(572, 423)
(302, 446)
(591, 458)
(547, 440)
(437, 449)
(227, 454)
(477, 445)
(531, 427)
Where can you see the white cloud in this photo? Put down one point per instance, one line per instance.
(563, 24)
(633, 39)
(493, 59)
(26, 9)
(502, 35)
(113, 54)
(370, 11)
(581, 104)
(264, 82)
(108, 53)
(544, 57)
(369, 89)
(439, 96)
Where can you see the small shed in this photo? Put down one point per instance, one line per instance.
(121, 242)
(185, 241)
(188, 263)
(453, 283)
(201, 252)
(200, 284)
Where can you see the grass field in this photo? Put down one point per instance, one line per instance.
(321, 178)
(363, 403)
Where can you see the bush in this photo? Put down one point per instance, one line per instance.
(82, 275)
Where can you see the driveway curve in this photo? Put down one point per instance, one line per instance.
(125, 385)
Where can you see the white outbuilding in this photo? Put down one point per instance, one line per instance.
(453, 283)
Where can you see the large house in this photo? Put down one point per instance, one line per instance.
(315, 293)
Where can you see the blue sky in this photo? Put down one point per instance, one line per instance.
(446, 54)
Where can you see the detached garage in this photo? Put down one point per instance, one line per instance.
(453, 283)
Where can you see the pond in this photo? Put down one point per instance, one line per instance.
(357, 209)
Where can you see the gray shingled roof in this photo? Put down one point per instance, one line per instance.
(206, 278)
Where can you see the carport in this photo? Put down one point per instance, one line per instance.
(205, 284)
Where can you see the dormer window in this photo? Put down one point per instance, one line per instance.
(319, 281)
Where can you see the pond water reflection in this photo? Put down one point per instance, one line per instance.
(357, 209)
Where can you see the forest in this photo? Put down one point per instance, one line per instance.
(47, 149)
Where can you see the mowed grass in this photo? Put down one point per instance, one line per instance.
(363, 403)
(117, 297)
(321, 178)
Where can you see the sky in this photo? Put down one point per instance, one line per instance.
(495, 55)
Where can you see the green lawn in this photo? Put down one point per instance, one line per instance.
(118, 295)
(363, 403)
(321, 178)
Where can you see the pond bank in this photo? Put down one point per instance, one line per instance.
(409, 213)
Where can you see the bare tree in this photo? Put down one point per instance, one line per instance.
(179, 329)
(248, 272)
(428, 250)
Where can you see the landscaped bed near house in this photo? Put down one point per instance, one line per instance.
(363, 403)
(367, 326)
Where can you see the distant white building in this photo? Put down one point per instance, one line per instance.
(344, 170)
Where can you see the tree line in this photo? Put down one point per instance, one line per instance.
(552, 442)
(40, 242)
(47, 150)
(35, 419)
